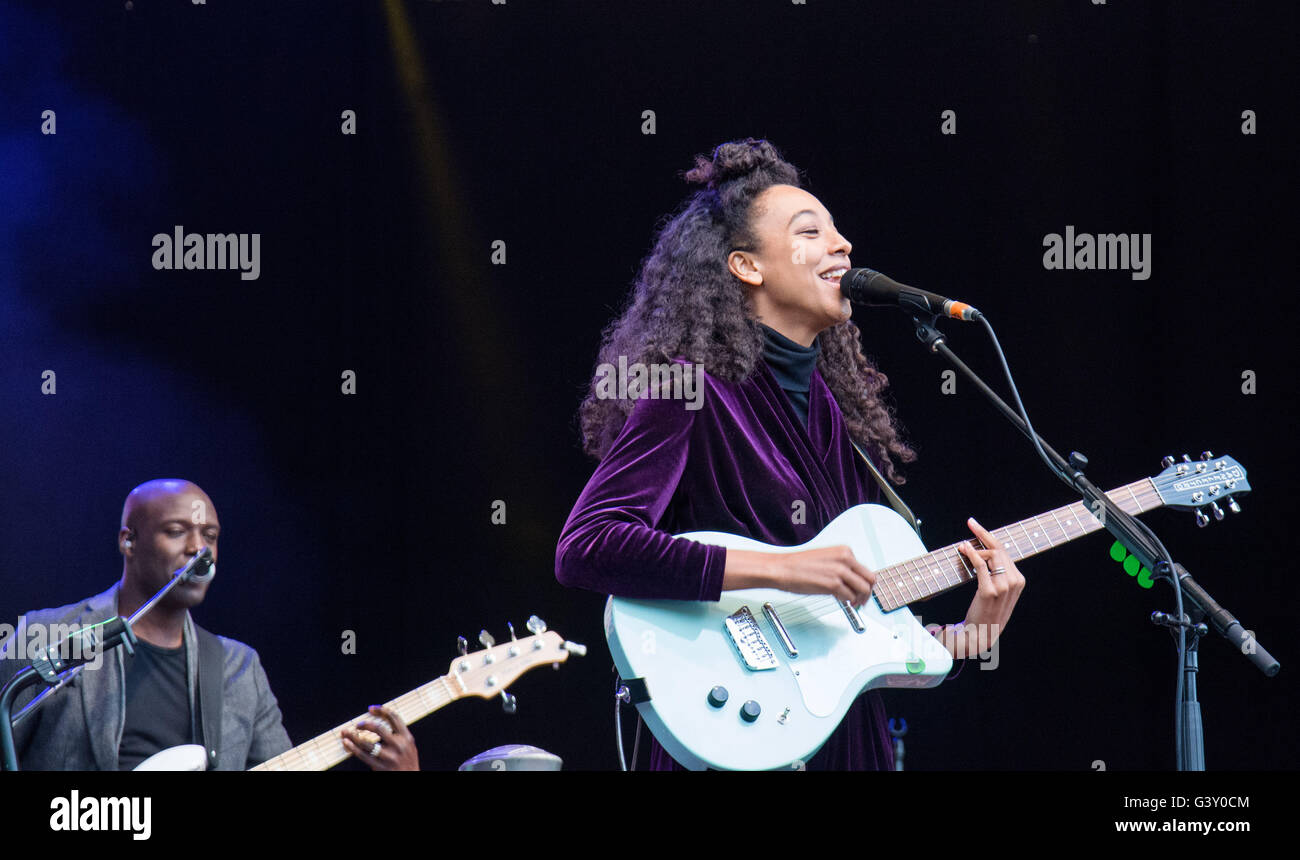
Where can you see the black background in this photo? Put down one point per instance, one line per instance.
(522, 123)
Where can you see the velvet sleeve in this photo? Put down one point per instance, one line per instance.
(611, 542)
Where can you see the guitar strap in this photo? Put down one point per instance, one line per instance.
(894, 501)
(211, 678)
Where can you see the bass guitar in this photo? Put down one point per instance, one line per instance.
(484, 673)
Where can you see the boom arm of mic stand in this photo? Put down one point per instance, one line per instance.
(49, 664)
(1226, 625)
(203, 557)
(1117, 521)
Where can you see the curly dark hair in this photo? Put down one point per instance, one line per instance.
(686, 304)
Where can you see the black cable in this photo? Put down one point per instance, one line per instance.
(1180, 692)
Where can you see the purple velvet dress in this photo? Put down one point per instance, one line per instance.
(737, 464)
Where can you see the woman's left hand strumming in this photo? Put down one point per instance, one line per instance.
(1000, 584)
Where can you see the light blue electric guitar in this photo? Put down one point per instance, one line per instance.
(760, 679)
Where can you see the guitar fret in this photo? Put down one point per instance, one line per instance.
(950, 577)
(1004, 539)
(914, 580)
(898, 582)
(895, 594)
(1087, 522)
(908, 580)
(1040, 530)
(1064, 534)
(1020, 552)
(932, 575)
(900, 594)
(900, 585)
(882, 591)
(1027, 537)
(968, 571)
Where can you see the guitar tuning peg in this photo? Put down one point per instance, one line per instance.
(1166, 461)
(486, 639)
(1201, 519)
(462, 645)
(508, 703)
(1187, 459)
(1233, 506)
(536, 624)
(511, 628)
(1216, 510)
(1206, 455)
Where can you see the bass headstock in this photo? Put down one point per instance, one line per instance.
(489, 671)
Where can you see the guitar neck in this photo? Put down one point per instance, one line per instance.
(326, 750)
(923, 577)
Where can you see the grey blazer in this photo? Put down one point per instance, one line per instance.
(80, 727)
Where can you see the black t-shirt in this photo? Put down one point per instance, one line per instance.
(157, 703)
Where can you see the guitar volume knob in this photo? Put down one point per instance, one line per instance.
(718, 696)
(750, 711)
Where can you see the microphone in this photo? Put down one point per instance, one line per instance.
(872, 289)
(201, 568)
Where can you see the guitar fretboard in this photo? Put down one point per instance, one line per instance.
(928, 575)
(326, 750)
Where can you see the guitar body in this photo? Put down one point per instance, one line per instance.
(685, 649)
(186, 757)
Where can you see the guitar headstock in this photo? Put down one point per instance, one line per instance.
(488, 672)
(1202, 484)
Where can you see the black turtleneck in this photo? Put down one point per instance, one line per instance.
(792, 364)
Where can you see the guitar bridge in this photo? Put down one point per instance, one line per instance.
(744, 633)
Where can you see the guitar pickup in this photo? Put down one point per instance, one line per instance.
(744, 633)
(775, 620)
(855, 620)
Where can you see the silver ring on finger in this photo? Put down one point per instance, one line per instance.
(374, 750)
(995, 571)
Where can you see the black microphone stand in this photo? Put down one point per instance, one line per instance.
(56, 665)
(1190, 749)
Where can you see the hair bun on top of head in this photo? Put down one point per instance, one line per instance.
(736, 159)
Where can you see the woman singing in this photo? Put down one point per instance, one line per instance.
(742, 286)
